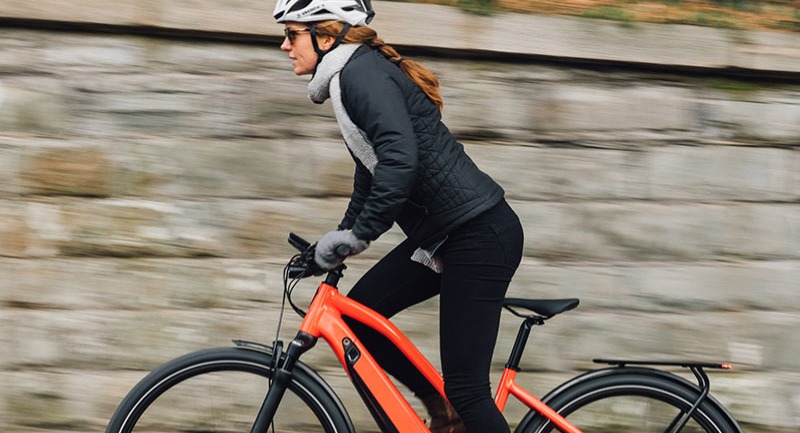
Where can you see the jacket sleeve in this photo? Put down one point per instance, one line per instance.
(377, 105)
(361, 184)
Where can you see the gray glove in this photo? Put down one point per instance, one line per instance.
(335, 246)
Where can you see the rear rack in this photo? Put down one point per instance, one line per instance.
(685, 364)
(696, 368)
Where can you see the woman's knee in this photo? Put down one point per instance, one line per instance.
(464, 395)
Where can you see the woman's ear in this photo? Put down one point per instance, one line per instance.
(325, 42)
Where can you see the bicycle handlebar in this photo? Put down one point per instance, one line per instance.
(302, 265)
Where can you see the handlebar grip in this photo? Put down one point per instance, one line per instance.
(342, 250)
(299, 243)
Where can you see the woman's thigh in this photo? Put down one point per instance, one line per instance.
(480, 259)
(396, 282)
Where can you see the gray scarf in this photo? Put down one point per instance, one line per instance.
(324, 85)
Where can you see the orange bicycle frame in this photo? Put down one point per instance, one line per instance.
(384, 400)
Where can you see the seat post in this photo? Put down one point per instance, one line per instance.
(522, 339)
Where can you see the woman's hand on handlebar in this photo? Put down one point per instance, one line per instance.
(337, 245)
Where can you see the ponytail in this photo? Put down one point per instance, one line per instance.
(418, 74)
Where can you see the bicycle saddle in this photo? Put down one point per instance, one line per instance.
(543, 307)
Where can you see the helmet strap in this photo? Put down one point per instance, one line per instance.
(320, 52)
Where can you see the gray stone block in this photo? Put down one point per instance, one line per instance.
(722, 173)
(657, 231)
(530, 172)
(32, 106)
(664, 287)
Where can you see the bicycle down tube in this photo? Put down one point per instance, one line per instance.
(384, 400)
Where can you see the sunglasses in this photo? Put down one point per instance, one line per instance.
(291, 34)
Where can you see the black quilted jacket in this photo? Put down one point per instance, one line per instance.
(423, 180)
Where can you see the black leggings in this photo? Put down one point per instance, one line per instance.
(480, 257)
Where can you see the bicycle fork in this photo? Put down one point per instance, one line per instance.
(282, 365)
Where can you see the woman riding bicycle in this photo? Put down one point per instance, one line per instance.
(464, 242)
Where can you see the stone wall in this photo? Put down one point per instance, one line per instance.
(147, 185)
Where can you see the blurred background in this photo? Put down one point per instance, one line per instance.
(155, 155)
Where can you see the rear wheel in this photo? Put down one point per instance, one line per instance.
(631, 401)
(221, 390)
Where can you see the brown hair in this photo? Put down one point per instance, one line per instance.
(418, 74)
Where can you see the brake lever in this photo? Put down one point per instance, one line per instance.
(304, 265)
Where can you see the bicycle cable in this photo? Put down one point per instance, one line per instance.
(288, 287)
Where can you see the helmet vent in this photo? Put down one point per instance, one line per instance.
(299, 5)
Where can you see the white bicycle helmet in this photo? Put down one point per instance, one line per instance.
(353, 12)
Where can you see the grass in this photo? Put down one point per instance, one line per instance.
(780, 15)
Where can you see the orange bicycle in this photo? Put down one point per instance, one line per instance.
(258, 388)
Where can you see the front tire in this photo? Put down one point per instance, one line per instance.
(221, 390)
(630, 400)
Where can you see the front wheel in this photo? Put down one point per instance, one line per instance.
(630, 400)
(221, 390)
